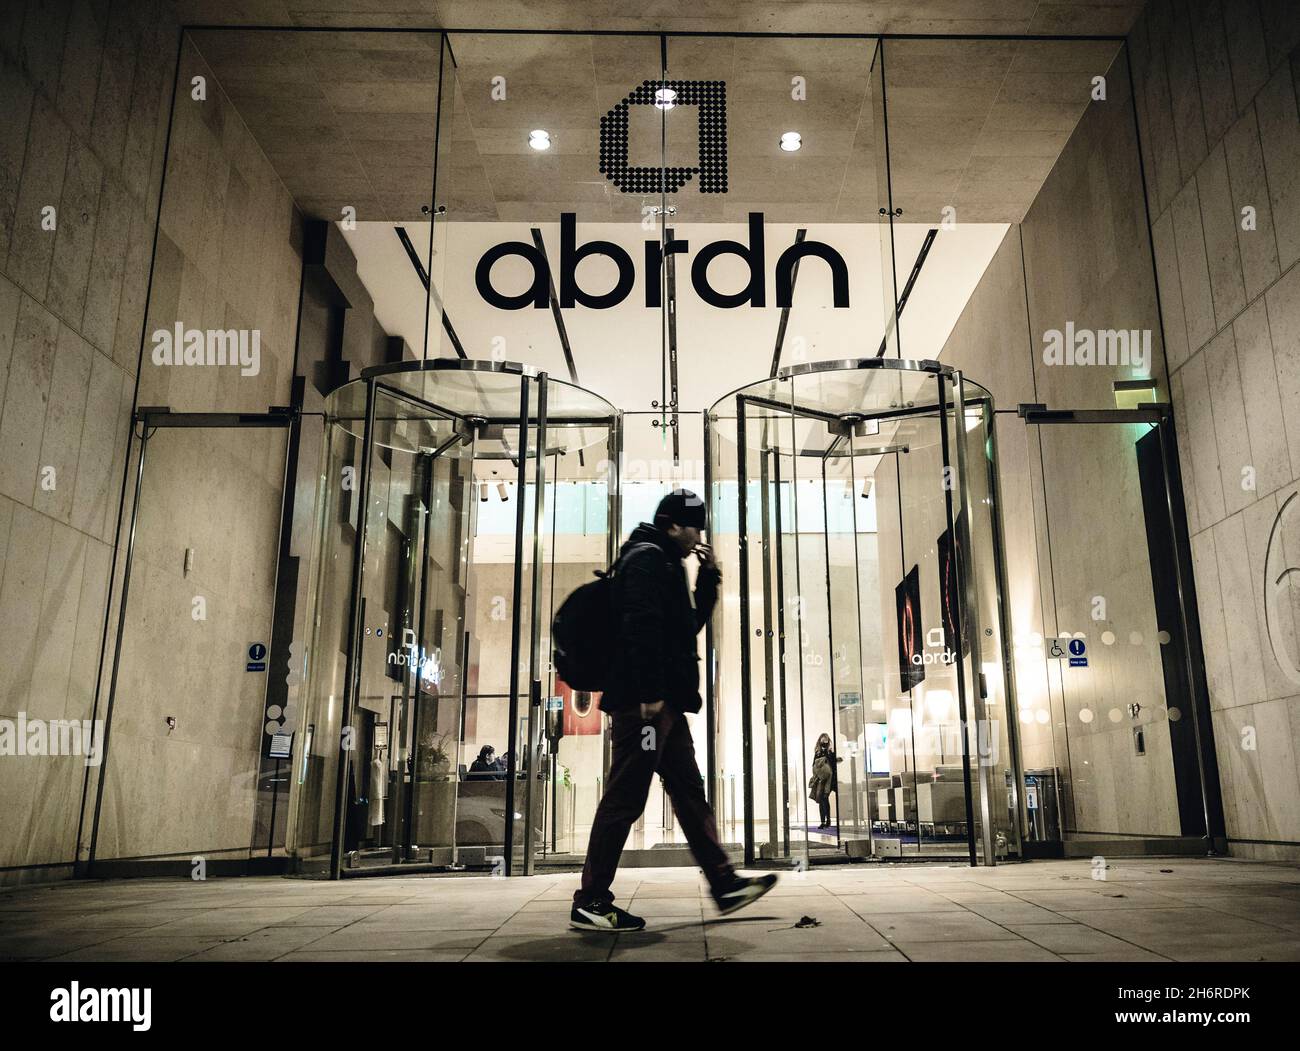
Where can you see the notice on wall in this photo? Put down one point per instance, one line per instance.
(1078, 650)
(1075, 650)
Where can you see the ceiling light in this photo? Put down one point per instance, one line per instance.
(665, 98)
(501, 492)
(483, 491)
(539, 139)
(791, 141)
(866, 488)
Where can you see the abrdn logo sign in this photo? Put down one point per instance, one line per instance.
(710, 96)
(753, 255)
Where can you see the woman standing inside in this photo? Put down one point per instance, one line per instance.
(823, 781)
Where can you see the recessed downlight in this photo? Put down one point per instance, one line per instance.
(791, 141)
(539, 139)
(665, 98)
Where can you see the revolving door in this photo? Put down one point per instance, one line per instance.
(424, 738)
(858, 502)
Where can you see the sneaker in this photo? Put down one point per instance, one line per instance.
(743, 891)
(604, 916)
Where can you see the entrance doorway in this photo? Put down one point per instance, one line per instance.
(1115, 719)
(189, 747)
(459, 498)
(858, 501)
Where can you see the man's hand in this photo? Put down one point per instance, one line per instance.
(705, 554)
(651, 711)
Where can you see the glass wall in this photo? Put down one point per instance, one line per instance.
(654, 218)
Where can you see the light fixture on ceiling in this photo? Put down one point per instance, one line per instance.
(866, 488)
(665, 98)
(539, 139)
(791, 141)
(482, 491)
(501, 492)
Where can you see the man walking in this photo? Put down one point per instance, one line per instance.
(653, 684)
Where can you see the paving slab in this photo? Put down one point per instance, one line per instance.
(1146, 909)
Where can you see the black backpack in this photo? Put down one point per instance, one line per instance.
(585, 632)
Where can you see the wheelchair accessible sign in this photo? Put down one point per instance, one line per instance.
(1077, 652)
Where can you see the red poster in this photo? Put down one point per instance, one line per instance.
(581, 710)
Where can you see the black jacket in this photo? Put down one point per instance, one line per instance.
(482, 770)
(655, 657)
(833, 761)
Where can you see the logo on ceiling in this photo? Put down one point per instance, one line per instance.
(710, 97)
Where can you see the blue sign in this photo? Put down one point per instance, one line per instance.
(1077, 649)
(256, 657)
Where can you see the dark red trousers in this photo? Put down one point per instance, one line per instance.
(640, 750)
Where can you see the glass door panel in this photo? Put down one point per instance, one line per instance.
(400, 784)
(810, 660)
(843, 708)
(192, 614)
(434, 685)
(924, 716)
(575, 545)
(970, 625)
(1117, 729)
(990, 675)
(751, 423)
(796, 655)
(776, 836)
